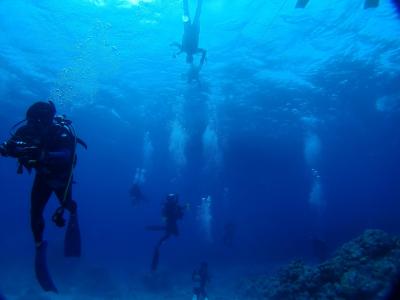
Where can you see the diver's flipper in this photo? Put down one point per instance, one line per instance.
(371, 4)
(2, 297)
(156, 258)
(42, 273)
(72, 242)
(302, 3)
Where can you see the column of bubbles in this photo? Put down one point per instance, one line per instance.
(312, 150)
(136, 191)
(211, 143)
(148, 150)
(78, 82)
(178, 137)
(147, 154)
(204, 216)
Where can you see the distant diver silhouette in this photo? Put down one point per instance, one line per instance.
(171, 212)
(201, 277)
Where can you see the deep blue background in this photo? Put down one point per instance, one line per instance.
(270, 69)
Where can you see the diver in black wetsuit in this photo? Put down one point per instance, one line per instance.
(47, 144)
(202, 277)
(171, 212)
(190, 39)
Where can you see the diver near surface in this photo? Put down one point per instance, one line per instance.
(172, 212)
(201, 277)
(47, 144)
(190, 40)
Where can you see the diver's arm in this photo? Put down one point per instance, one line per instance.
(17, 149)
(179, 46)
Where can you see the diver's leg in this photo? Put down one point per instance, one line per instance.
(64, 195)
(156, 254)
(72, 240)
(163, 239)
(203, 58)
(40, 195)
(186, 12)
(196, 20)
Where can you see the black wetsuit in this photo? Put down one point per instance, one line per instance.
(191, 32)
(172, 212)
(52, 157)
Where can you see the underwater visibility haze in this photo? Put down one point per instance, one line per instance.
(229, 137)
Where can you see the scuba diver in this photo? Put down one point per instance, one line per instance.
(202, 277)
(190, 40)
(47, 143)
(171, 212)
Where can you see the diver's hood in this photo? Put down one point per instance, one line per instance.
(41, 113)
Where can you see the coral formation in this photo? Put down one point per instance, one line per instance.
(361, 269)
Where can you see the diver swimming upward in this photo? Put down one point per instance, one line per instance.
(190, 38)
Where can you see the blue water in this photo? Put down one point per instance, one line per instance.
(292, 130)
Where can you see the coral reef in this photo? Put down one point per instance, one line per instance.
(361, 269)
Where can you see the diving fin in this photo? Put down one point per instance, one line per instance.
(371, 4)
(2, 297)
(72, 241)
(41, 270)
(302, 3)
(156, 258)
